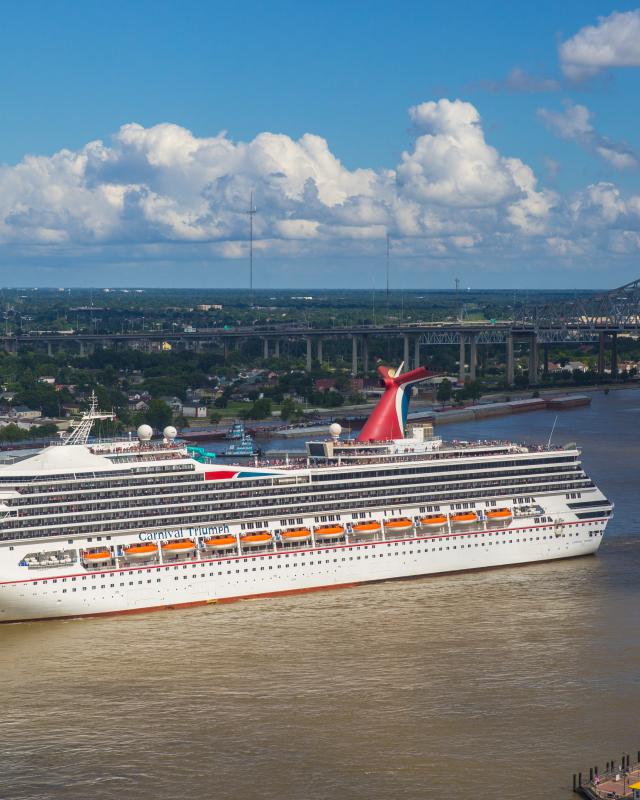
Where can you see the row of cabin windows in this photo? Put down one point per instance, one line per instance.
(77, 509)
(355, 501)
(219, 508)
(101, 482)
(76, 498)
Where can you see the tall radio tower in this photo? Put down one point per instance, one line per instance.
(251, 212)
(388, 250)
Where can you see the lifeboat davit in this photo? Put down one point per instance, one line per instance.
(436, 521)
(179, 547)
(258, 539)
(366, 528)
(220, 543)
(466, 518)
(398, 524)
(296, 535)
(500, 514)
(97, 557)
(327, 532)
(139, 551)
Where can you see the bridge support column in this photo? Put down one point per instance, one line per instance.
(545, 360)
(320, 349)
(276, 348)
(354, 355)
(365, 354)
(265, 348)
(601, 353)
(510, 360)
(614, 355)
(416, 352)
(533, 361)
(461, 369)
(473, 356)
(405, 353)
(309, 353)
(49, 349)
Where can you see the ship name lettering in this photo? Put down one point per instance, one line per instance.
(209, 530)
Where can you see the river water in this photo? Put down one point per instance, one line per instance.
(495, 684)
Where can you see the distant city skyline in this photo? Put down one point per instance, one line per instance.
(492, 143)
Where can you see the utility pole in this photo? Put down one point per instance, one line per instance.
(251, 212)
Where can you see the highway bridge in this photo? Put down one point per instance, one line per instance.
(593, 318)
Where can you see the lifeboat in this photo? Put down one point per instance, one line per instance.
(258, 539)
(328, 532)
(180, 547)
(139, 551)
(296, 535)
(366, 528)
(97, 557)
(500, 514)
(436, 521)
(398, 524)
(466, 518)
(220, 543)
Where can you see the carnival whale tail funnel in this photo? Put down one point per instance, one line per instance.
(389, 417)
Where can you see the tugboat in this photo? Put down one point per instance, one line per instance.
(236, 431)
(243, 447)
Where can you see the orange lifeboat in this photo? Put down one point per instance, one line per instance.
(466, 518)
(327, 532)
(501, 514)
(398, 524)
(296, 535)
(97, 557)
(140, 551)
(435, 521)
(257, 539)
(366, 528)
(220, 543)
(178, 547)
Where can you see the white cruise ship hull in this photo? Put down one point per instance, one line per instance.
(75, 593)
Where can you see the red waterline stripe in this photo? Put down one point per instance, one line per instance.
(122, 570)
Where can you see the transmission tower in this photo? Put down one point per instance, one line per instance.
(251, 212)
(388, 251)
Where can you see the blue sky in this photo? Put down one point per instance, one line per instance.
(538, 105)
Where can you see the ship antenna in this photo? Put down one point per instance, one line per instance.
(79, 431)
(552, 430)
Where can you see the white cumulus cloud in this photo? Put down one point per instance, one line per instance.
(162, 193)
(575, 123)
(613, 42)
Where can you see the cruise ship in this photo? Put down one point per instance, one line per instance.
(122, 526)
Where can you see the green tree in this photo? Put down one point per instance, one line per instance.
(260, 409)
(472, 390)
(158, 414)
(445, 391)
(290, 409)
